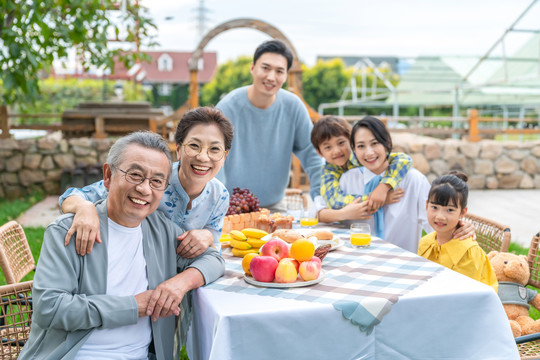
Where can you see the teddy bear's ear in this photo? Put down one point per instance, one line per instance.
(492, 254)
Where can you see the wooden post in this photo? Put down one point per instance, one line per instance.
(4, 122)
(152, 126)
(474, 135)
(193, 89)
(296, 173)
(99, 131)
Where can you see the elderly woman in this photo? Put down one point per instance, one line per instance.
(194, 199)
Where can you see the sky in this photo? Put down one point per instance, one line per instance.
(403, 28)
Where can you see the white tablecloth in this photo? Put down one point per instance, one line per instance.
(448, 317)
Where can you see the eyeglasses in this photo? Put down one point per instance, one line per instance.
(215, 153)
(137, 178)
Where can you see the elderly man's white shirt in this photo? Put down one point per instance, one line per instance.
(126, 275)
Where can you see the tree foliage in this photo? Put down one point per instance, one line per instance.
(34, 33)
(324, 82)
(229, 76)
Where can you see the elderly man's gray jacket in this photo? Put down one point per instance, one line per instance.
(69, 290)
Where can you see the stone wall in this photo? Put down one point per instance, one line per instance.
(489, 164)
(27, 165)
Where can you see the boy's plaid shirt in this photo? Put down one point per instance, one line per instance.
(399, 166)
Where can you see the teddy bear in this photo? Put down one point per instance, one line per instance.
(512, 272)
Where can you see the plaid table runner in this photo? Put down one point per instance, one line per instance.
(362, 283)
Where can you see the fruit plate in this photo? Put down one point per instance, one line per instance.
(298, 283)
(336, 242)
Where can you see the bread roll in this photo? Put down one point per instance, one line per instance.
(287, 234)
(323, 234)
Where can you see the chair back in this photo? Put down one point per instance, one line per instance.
(15, 317)
(534, 261)
(490, 235)
(295, 199)
(16, 258)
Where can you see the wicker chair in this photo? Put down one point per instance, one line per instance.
(295, 199)
(15, 317)
(16, 259)
(529, 345)
(490, 235)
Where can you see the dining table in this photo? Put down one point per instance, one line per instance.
(377, 302)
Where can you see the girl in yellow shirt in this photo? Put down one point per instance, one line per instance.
(447, 202)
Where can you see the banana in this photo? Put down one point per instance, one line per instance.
(254, 233)
(224, 237)
(237, 235)
(241, 253)
(241, 245)
(256, 243)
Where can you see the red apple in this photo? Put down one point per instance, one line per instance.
(294, 261)
(263, 268)
(276, 248)
(309, 270)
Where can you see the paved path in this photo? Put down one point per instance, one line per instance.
(41, 214)
(519, 209)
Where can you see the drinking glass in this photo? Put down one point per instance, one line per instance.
(360, 235)
(309, 217)
(296, 210)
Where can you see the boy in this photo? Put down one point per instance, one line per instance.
(331, 139)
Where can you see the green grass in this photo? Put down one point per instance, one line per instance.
(10, 210)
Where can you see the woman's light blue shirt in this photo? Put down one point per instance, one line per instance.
(207, 211)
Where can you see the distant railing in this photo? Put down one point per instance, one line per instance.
(473, 127)
(97, 128)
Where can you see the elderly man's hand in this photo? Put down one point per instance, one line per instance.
(142, 301)
(194, 242)
(166, 298)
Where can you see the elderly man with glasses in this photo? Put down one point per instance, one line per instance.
(118, 302)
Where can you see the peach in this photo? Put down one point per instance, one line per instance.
(246, 261)
(263, 268)
(317, 260)
(295, 262)
(286, 272)
(309, 270)
(302, 250)
(276, 248)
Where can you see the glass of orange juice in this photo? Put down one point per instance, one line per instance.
(360, 235)
(309, 218)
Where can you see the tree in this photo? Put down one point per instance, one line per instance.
(34, 33)
(324, 82)
(229, 76)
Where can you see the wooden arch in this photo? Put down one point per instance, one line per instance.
(294, 75)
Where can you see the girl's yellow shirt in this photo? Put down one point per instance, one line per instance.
(464, 256)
